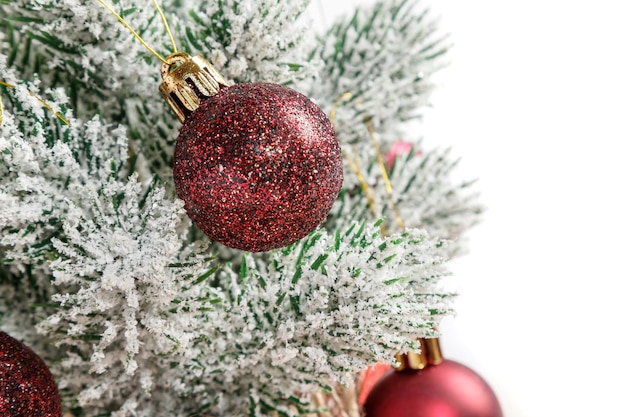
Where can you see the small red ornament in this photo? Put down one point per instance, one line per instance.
(398, 148)
(257, 164)
(27, 388)
(445, 389)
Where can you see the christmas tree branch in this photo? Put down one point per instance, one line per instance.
(384, 56)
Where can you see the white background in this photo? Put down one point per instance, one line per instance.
(534, 103)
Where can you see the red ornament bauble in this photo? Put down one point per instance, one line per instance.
(448, 389)
(257, 164)
(27, 388)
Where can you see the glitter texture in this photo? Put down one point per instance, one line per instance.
(27, 388)
(258, 166)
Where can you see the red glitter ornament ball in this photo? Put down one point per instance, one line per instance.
(258, 166)
(445, 390)
(27, 388)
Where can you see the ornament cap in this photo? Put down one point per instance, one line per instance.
(186, 80)
(429, 354)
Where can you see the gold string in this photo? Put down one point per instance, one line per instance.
(333, 111)
(135, 34)
(354, 165)
(383, 168)
(43, 103)
(167, 26)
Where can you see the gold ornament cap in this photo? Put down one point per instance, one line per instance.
(429, 354)
(186, 80)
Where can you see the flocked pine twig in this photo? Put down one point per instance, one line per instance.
(117, 277)
(377, 73)
(249, 41)
(424, 194)
(383, 57)
(327, 306)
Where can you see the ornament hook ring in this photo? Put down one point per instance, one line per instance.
(172, 60)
